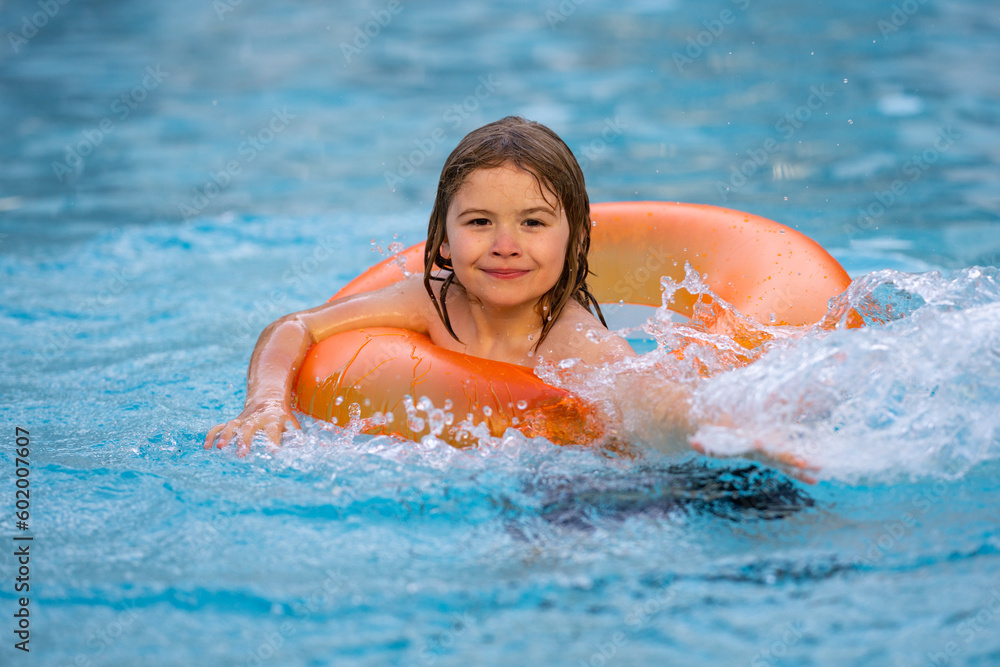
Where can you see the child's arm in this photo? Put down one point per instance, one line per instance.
(283, 345)
(656, 411)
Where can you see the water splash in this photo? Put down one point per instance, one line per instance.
(913, 393)
(396, 252)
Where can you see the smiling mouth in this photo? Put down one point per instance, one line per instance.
(506, 274)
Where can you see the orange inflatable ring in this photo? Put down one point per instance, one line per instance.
(769, 272)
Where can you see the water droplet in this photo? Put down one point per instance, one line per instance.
(522, 404)
(436, 420)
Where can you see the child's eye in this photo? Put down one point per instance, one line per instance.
(479, 222)
(532, 222)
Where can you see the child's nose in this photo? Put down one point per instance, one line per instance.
(505, 244)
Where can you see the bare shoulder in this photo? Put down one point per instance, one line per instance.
(578, 334)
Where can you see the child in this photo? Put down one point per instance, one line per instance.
(505, 276)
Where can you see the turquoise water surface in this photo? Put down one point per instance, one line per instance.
(175, 175)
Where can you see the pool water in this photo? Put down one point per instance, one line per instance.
(177, 175)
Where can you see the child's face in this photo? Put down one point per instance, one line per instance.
(506, 238)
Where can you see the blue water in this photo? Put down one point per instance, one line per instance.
(177, 174)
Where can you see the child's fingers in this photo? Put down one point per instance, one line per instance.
(786, 458)
(244, 437)
(273, 433)
(793, 465)
(212, 432)
(796, 466)
(808, 479)
(224, 435)
(219, 435)
(794, 461)
(243, 432)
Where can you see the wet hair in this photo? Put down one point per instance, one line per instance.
(539, 151)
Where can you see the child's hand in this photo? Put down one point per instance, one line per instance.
(792, 465)
(269, 417)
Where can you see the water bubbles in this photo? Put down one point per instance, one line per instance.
(338, 401)
(522, 404)
(414, 422)
(396, 247)
(400, 261)
(393, 249)
(436, 420)
(487, 411)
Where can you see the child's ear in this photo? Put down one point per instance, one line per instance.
(445, 250)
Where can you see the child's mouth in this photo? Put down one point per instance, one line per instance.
(506, 274)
